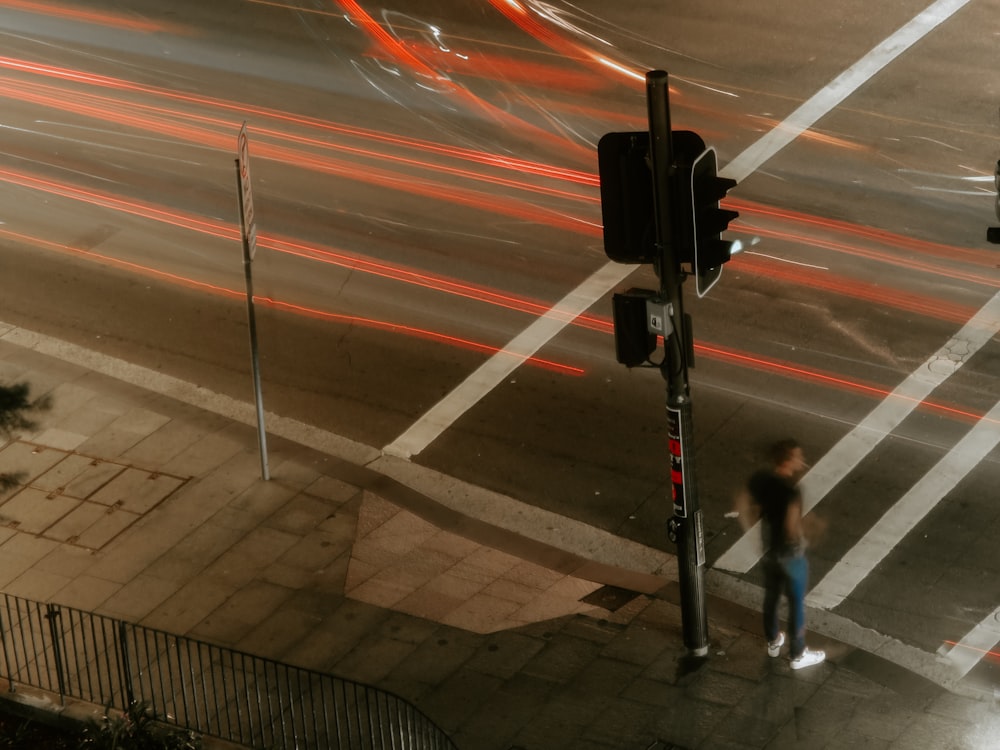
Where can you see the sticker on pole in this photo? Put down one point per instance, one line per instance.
(246, 193)
(675, 438)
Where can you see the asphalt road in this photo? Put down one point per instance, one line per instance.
(425, 188)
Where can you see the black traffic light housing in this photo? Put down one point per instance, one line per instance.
(634, 342)
(627, 204)
(709, 220)
(627, 197)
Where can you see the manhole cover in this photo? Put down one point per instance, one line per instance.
(611, 598)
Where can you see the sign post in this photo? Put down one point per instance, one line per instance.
(249, 236)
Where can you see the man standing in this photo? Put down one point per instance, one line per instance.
(772, 495)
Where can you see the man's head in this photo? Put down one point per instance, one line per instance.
(788, 458)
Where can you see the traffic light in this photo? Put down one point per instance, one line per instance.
(709, 220)
(627, 197)
(627, 206)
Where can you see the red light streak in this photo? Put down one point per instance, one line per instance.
(912, 264)
(400, 54)
(844, 286)
(419, 332)
(983, 651)
(436, 283)
(511, 70)
(385, 40)
(500, 161)
(103, 105)
(282, 305)
(287, 246)
(881, 236)
(515, 12)
(813, 135)
(510, 207)
(97, 107)
(93, 17)
(836, 381)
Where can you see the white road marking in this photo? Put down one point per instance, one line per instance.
(882, 420)
(468, 393)
(840, 88)
(907, 512)
(968, 652)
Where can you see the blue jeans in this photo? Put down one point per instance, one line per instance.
(788, 575)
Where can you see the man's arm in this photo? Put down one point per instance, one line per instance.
(793, 521)
(746, 509)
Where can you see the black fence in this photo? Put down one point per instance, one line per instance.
(214, 691)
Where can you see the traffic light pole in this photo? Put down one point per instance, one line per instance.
(686, 523)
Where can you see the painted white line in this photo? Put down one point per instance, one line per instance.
(840, 88)
(982, 639)
(907, 512)
(468, 393)
(883, 419)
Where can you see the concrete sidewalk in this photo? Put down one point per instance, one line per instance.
(508, 626)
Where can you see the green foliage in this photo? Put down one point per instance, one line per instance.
(136, 729)
(15, 406)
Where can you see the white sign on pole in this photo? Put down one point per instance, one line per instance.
(246, 193)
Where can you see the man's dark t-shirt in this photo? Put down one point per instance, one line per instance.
(773, 494)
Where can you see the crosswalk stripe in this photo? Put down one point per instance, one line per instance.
(982, 639)
(907, 512)
(882, 420)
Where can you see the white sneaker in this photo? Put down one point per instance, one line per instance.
(774, 647)
(807, 659)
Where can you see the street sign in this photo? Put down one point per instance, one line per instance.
(246, 192)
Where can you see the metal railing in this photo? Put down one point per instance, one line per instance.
(211, 690)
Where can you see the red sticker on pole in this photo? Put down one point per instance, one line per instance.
(675, 437)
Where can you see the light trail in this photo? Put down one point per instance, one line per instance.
(846, 286)
(241, 110)
(163, 119)
(111, 20)
(885, 258)
(840, 382)
(219, 290)
(436, 283)
(159, 122)
(834, 93)
(286, 245)
(289, 246)
(99, 105)
(520, 16)
(950, 253)
(400, 54)
(879, 294)
(518, 72)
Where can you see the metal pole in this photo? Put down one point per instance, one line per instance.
(687, 520)
(52, 615)
(265, 472)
